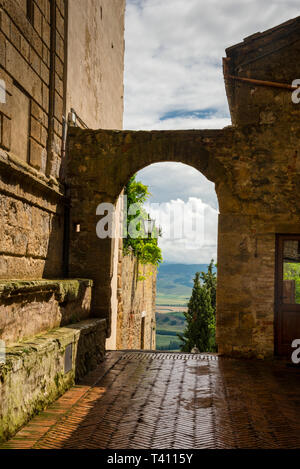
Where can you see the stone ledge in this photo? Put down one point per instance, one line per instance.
(34, 373)
(31, 307)
(10, 163)
(39, 344)
(63, 288)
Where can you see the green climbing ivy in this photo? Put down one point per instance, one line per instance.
(144, 248)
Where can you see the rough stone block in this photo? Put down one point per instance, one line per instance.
(60, 25)
(45, 101)
(45, 73)
(37, 20)
(35, 154)
(2, 50)
(18, 67)
(20, 124)
(44, 136)
(14, 11)
(5, 24)
(58, 110)
(35, 129)
(46, 32)
(15, 36)
(25, 48)
(60, 47)
(6, 133)
(35, 61)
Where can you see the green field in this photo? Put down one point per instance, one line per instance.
(167, 299)
(165, 340)
(175, 283)
(169, 322)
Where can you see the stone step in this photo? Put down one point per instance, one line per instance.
(31, 307)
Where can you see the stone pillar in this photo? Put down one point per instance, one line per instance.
(245, 294)
(89, 256)
(111, 343)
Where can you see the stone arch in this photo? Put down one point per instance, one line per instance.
(114, 156)
(252, 203)
(100, 164)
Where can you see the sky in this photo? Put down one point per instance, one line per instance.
(174, 80)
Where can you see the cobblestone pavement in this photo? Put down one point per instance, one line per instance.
(163, 400)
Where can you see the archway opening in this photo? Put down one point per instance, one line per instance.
(182, 209)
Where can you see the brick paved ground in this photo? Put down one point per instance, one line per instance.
(162, 400)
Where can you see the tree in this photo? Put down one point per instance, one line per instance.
(200, 317)
(210, 280)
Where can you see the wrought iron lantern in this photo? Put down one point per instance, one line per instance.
(149, 226)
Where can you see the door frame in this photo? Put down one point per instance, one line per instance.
(278, 304)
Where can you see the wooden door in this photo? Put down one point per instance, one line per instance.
(287, 301)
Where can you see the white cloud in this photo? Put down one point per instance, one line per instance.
(185, 123)
(174, 51)
(169, 181)
(189, 230)
(174, 80)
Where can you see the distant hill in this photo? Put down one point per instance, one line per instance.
(175, 282)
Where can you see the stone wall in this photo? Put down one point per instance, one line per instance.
(136, 313)
(37, 372)
(258, 198)
(31, 197)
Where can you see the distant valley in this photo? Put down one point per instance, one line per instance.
(175, 283)
(174, 288)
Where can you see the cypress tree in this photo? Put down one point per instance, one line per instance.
(200, 317)
(210, 280)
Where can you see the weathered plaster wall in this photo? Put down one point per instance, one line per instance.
(96, 62)
(117, 256)
(138, 292)
(34, 374)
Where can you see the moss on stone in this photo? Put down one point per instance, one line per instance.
(33, 375)
(68, 290)
(65, 289)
